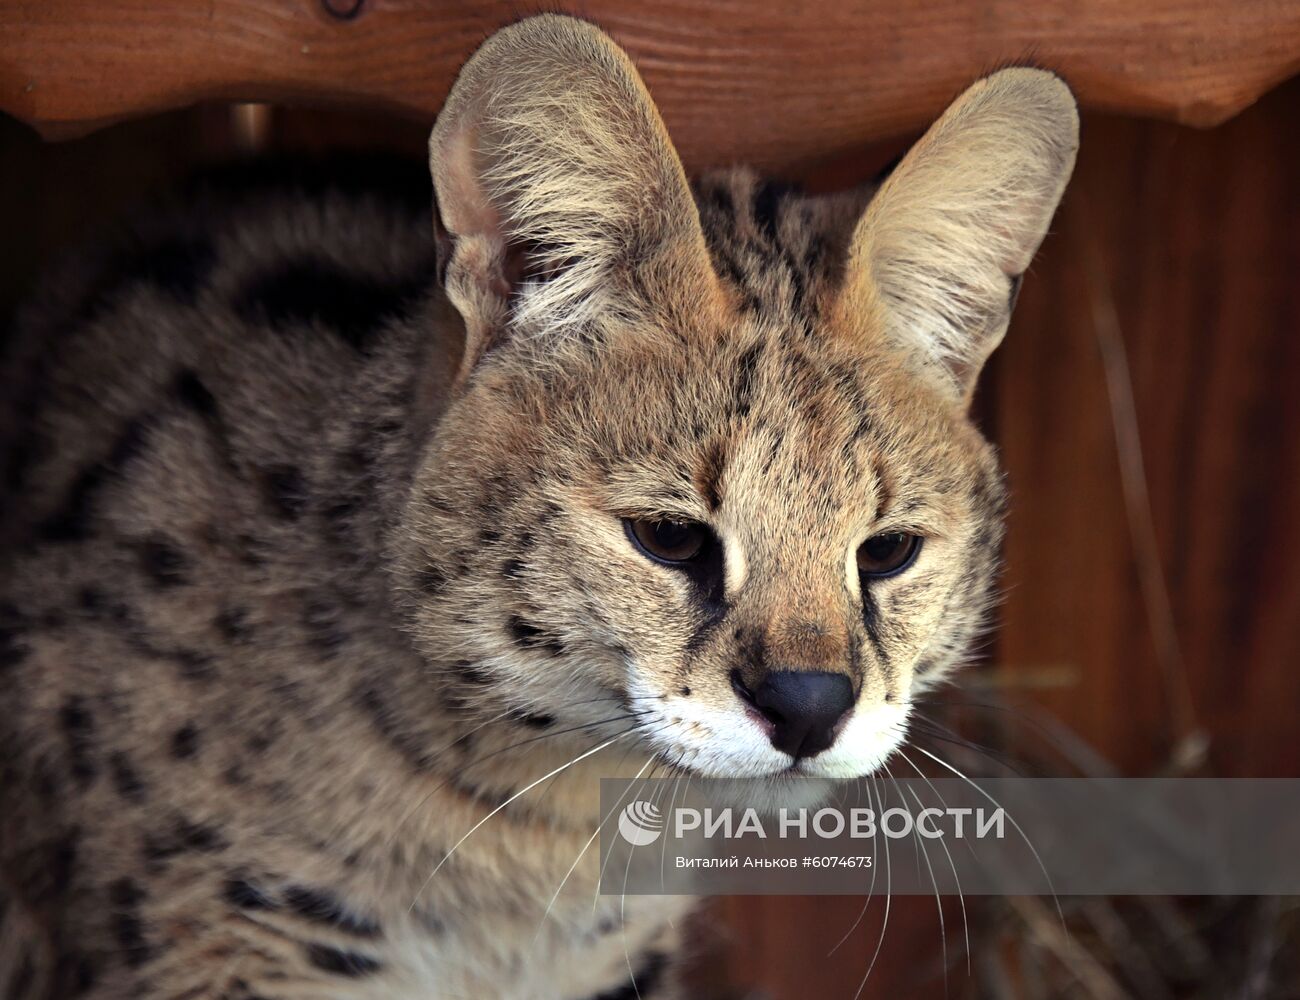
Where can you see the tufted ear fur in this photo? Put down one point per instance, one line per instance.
(562, 201)
(941, 248)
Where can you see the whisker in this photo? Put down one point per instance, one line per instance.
(527, 788)
(1028, 843)
(595, 899)
(965, 925)
(622, 918)
(938, 901)
(423, 799)
(888, 897)
(576, 861)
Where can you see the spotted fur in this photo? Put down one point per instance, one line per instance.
(315, 557)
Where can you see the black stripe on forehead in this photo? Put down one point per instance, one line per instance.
(746, 370)
(766, 206)
(708, 474)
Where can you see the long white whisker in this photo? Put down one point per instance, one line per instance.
(938, 901)
(965, 926)
(622, 921)
(419, 803)
(599, 826)
(527, 788)
(888, 897)
(1028, 843)
(663, 844)
(595, 898)
(871, 889)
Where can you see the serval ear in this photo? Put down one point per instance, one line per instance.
(565, 209)
(940, 250)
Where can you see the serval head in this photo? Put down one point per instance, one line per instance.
(709, 462)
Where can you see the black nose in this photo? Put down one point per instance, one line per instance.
(804, 708)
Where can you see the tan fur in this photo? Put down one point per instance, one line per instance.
(321, 620)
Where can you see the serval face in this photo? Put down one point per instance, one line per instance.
(709, 467)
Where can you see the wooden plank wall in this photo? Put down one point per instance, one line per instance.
(1185, 245)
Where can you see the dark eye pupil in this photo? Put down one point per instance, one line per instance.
(669, 541)
(883, 555)
(883, 546)
(672, 534)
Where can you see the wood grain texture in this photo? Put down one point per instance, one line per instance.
(1198, 236)
(775, 83)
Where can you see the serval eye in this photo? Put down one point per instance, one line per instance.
(668, 541)
(887, 554)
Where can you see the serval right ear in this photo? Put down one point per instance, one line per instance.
(939, 252)
(564, 204)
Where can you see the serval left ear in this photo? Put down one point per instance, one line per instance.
(563, 202)
(941, 247)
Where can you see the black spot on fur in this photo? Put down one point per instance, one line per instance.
(324, 908)
(79, 731)
(767, 204)
(12, 649)
(286, 490)
(533, 720)
(470, 673)
(184, 836)
(529, 636)
(162, 562)
(234, 776)
(126, 780)
(431, 580)
(321, 619)
(198, 837)
(244, 895)
(685, 691)
(62, 864)
(708, 475)
(430, 921)
(314, 290)
(24, 454)
(512, 568)
(43, 873)
(185, 742)
(71, 522)
(82, 975)
(232, 624)
(746, 369)
(340, 962)
(369, 700)
(261, 742)
(126, 897)
(72, 976)
(194, 394)
(194, 666)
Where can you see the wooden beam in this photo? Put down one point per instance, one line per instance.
(780, 83)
